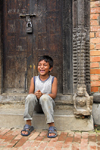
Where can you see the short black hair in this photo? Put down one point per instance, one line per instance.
(47, 59)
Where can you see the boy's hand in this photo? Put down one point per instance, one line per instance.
(38, 94)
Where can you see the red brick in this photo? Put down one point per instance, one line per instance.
(94, 16)
(69, 140)
(85, 135)
(75, 146)
(95, 10)
(95, 53)
(18, 137)
(16, 131)
(98, 46)
(94, 65)
(98, 148)
(98, 34)
(94, 22)
(62, 137)
(91, 147)
(46, 139)
(9, 146)
(95, 40)
(52, 143)
(91, 46)
(95, 83)
(95, 59)
(35, 143)
(34, 135)
(98, 138)
(58, 145)
(95, 4)
(4, 131)
(92, 137)
(94, 89)
(95, 71)
(14, 141)
(21, 141)
(9, 138)
(39, 138)
(49, 148)
(68, 145)
(42, 145)
(43, 133)
(95, 77)
(77, 137)
(94, 28)
(84, 141)
(70, 134)
(84, 144)
(4, 137)
(91, 34)
(27, 145)
(14, 148)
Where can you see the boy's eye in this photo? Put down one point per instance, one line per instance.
(42, 65)
(45, 64)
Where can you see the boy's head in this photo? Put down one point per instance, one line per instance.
(47, 59)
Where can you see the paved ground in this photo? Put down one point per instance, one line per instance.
(10, 139)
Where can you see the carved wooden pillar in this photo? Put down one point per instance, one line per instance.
(81, 55)
(81, 67)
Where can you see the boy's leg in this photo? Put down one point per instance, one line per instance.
(30, 103)
(47, 104)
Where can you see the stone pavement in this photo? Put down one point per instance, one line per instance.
(10, 139)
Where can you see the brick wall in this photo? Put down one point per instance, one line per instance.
(95, 45)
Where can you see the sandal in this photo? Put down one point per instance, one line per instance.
(28, 129)
(52, 129)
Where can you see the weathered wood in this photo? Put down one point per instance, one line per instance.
(53, 30)
(67, 48)
(22, 50)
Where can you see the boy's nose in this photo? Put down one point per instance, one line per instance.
(42, 66)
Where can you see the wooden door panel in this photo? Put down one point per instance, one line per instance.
(15, 46)
(22, 50)
(48, 36)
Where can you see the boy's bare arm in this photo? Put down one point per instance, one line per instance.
(54, 89)
(31, 89)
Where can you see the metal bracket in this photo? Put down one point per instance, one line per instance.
(27, 16)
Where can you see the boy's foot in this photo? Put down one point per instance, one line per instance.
(27, 130)
(52, 132)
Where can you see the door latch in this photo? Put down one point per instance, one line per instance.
(29, 28)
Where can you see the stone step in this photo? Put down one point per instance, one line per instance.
(12, 116)
(12, 110)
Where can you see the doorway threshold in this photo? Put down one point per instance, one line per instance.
(20, 98)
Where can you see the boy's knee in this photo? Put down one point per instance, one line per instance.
(44, 98)
(30, 98)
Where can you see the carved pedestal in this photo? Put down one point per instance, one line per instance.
(82, 102)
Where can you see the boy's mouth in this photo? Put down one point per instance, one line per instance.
(42, 70)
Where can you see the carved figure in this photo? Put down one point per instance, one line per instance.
(82, 102)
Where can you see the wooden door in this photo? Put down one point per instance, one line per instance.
(17, 47)
(22, 50)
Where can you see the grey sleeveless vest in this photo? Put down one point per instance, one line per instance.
(43, 86)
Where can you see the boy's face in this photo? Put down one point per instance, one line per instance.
(44, 68)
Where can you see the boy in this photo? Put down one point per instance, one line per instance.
(43, 89)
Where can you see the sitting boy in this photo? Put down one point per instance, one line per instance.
(43, 90)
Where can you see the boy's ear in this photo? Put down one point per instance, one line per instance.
(50, 68)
